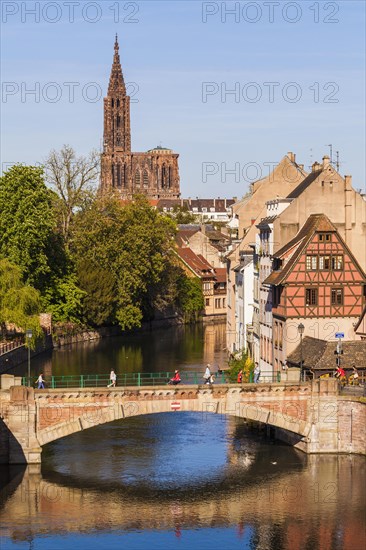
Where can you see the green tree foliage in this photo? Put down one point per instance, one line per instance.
(64, 299)
(240, 361)
(181, 215)
(134, 243)
(190, 296)
(19, 303)
(27, 225)
(100, 291)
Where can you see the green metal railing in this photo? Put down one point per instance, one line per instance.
(124, 379)
(134, 379)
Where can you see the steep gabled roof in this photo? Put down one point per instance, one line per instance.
(315, 222)
(196, 263)
(304, 184)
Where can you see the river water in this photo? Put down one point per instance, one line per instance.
(177, 480)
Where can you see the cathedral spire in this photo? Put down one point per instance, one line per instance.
(116, 81)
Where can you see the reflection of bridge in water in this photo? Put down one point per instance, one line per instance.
(303, 503)
(311, 416)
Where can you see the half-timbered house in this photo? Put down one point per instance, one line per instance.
(316, 282)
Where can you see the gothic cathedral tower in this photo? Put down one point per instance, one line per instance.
(155, 173)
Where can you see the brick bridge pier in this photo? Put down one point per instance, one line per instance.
(311, 416)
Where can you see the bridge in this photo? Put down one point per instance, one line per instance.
(311, 416)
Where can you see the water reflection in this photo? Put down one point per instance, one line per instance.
(205, 483)
(184, 347)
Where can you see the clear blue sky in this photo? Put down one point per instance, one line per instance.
(169, 49)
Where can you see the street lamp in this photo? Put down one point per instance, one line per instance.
(300, 330)
(29, 334)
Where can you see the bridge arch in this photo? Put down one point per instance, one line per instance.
(71, 412)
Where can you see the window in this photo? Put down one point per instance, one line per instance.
(325, 237)
(311, 263)
(206, 286)
(337, 296)
(311, 296)
(137, 178)
(337, 263)
(207, 302)
(145, 178)
(217, 303)
(324, 263)
(280, 335)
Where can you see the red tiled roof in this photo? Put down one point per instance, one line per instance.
(204, 261)
(196, 263)
(220, 274)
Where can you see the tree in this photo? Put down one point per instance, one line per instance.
(134, 244)
(73, 179)
(64, 299)
(190, 296)
(27, 225)
(181, 215)
(100, 290)
(19, 303)
(241, 361)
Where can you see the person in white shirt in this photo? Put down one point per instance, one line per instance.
(112, 379)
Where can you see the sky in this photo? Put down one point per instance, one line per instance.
(230, 86)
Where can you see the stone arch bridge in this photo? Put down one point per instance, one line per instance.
(311, 416)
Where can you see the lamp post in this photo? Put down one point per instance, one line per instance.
(29, 334)
(301, 329)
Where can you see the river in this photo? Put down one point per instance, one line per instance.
(177, 480)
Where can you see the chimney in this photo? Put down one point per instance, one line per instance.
(316, 166)
(291, 156)
(301, 166)
(326, 161)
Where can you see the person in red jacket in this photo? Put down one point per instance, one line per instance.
(176, 378)
(340, 374)
(240, 377)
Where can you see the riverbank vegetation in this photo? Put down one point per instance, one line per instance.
(241, 361)
(85, 259)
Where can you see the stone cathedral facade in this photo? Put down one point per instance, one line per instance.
(154, 173)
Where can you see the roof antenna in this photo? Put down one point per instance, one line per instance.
(331, 152)
(337, 161)
(311, 158)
